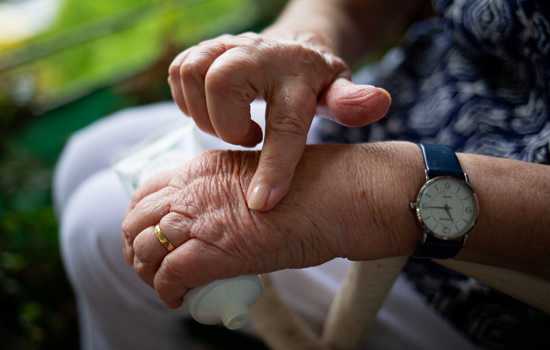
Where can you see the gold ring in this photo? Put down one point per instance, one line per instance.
(166, 243)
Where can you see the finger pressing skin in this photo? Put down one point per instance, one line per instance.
(148, 249)
(289, 116)
(231, 84)
(148, 212)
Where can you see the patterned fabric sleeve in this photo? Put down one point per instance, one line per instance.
(445, 90)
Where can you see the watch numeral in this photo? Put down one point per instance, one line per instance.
(446, 229)
(468, 210)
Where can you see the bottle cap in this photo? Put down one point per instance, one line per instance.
(225, 300)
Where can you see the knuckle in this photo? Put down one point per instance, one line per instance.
(170, 271)
(140, 250)
(126, 230)
(220, 76)
(138, 195)
(289, 123)
(216, 41)
(250, 35)
(140, 267)
(251, 39)
(174, 71)
(191, 70)
(178, 221)
(310, 55)
(197, 63)
(338, 64)
(228, 72)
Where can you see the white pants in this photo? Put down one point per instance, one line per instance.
(119, 311)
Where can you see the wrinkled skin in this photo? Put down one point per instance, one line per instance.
(202, 211)
(215, 81)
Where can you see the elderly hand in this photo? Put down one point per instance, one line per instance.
(330, 211)
(215, 82)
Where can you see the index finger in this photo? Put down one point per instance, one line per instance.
(289, 116)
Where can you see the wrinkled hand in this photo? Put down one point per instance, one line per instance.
(215, 82)
(201, 209)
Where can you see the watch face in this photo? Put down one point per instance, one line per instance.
(446, 207)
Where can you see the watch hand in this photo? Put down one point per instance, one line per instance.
(448, 212)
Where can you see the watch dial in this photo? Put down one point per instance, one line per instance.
(447, 207)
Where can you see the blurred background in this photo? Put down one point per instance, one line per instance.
(63, 65)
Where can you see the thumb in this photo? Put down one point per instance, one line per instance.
(354, 105)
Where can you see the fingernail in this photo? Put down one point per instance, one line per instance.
(386, 92)
(258, 198)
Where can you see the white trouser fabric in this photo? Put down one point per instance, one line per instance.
(119, 311)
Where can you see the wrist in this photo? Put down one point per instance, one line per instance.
(389, 176)
(316, 40)
(324, 29)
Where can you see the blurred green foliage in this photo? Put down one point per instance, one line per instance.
(37, 307)
(96, 42)
(99, 56)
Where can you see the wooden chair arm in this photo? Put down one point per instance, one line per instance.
(532, 290)
(361, 295)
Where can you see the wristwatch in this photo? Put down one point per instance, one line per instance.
(446, 206)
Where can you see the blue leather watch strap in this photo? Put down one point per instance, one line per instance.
(434, 248)
(441, 160)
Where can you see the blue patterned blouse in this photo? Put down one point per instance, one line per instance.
(476, 78)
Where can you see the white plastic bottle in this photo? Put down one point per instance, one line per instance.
(226, 301)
